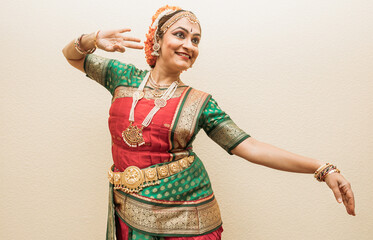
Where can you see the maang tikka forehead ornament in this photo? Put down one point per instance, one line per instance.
(183, 14)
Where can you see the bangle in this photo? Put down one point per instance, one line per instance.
(324, 170)
(79, 49)
(95, 39)
(321, 168)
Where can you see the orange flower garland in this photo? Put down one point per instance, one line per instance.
(149, 42)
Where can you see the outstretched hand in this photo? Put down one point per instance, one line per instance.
(115, 41)
(342, 191)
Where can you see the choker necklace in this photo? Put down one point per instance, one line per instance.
(156, 87)
(132, 135)
(151, 81)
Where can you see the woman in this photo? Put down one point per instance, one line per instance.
(159, 187)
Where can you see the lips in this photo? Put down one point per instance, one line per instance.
(183, 55)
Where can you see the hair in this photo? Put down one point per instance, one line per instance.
(163, 20)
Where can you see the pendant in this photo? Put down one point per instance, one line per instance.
(157, 92)
(160, 102)
(138, 95)
(132, 136)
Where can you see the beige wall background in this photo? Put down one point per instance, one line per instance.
(295, 74)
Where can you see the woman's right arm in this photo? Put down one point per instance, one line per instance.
(110, 41)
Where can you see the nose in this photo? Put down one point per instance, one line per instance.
(188, 44)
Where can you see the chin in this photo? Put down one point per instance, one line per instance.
(184, 66)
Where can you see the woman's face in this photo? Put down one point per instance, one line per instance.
(179, 45)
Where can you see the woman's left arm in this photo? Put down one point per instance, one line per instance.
(273, 157)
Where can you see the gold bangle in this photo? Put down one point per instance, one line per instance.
(332, 171)
(321, 168)
(79, 49)
(324, 171)
(95, 39)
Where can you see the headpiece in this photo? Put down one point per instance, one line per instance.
(151, 44)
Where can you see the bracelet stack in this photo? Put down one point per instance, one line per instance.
(79, 49)
(325, 170)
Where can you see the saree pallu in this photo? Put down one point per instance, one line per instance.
(182, 205)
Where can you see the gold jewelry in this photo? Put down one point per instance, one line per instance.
(324, 170)
(132, 135)
(151, 81)
(188, 15)
(156, 47)
(95, 39)
(79, 49)
(157, 93)
(134, 179)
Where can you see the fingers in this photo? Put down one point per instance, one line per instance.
(333, 183)
(133, 45)
(121, 47)
(123, 30)
(118, 43)
(133, 39)
(348, 198)
(342, 191)
(337, 193)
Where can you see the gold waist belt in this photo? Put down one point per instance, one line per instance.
(134, 179)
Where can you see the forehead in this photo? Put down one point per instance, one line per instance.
(185, 23)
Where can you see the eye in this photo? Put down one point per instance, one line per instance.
(179, 35)
(195, 40)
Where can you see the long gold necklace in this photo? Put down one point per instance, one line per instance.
(132, 135)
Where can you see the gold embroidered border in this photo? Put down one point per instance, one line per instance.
(95, 68)
(187, 119)
(179, 153)
(152, 200)
(227, 134)
(182, 220)
(124, 91)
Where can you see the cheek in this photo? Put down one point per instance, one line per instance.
(196, 53)
(172, 44)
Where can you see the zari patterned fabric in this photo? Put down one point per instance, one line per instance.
(181, 205)
(220, 127)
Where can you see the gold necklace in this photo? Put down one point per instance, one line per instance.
(157, 92)
(132, 135)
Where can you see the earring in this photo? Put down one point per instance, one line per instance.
(156, 48)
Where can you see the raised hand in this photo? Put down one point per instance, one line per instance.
(342, 191)
(115, 41)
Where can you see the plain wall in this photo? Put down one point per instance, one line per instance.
(296, 74)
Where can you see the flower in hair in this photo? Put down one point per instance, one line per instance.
(149, 42)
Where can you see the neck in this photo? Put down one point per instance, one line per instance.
(162, 76)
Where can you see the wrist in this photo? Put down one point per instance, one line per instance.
(323, 171)
(87, 42)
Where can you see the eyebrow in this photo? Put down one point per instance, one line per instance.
(195, 34)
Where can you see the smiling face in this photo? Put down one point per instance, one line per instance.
(179, 45)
